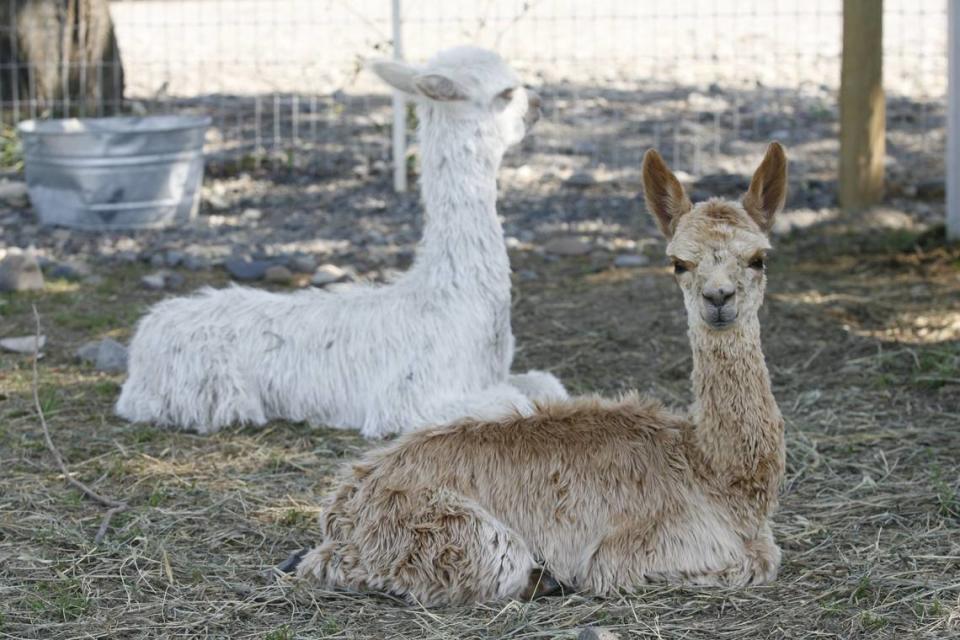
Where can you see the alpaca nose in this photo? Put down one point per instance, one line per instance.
(719, 296)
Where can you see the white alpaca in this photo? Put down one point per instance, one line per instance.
(434, 346)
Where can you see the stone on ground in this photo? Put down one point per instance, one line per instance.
(14, 194)
(71, 269)
(568, 246)
(327, 274)
(105, 355)
(278, 274)
(246, 270)
(23, 344)
(631, 260)
(20, 272)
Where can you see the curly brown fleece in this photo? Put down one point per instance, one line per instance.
(603, 494)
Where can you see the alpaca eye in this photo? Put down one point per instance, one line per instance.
(679, 267)
(506, 94)
(757, 263)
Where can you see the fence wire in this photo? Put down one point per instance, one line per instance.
(703, 80)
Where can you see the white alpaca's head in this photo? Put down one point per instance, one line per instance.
(467, 84)
(718, 247)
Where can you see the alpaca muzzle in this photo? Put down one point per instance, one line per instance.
(719, 317)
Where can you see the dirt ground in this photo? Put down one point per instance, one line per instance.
(862, 335)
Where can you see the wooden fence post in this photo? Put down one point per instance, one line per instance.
(862, 108)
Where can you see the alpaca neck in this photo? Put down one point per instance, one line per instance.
(738, 426)
(462, 235)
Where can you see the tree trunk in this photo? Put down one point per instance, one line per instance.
(60, 58)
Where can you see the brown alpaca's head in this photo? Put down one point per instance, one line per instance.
(718, 247)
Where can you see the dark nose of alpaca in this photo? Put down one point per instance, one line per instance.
(719, 296)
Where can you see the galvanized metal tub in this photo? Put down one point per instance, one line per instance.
(114, 173)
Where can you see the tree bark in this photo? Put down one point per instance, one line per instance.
(60, 58)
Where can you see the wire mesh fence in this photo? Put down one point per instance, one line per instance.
(704, 80)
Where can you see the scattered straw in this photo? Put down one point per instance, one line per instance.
(114, 506)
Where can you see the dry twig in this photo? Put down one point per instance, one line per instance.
(115, 506)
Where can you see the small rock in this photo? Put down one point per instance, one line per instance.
(157, 260)
(278, 274)
(195, 262)
(24, 344)
(60, 236)
(375, 237)
(528, 275)
(327, 274)
(14, 194)
(94, 280)
(581, 180)
(780, 134)
(584, 147)
(931, 190)
(251, 214)
(112, 357)
(217, 202)
(568, 246)
(174, 258)
(127, 256)
(173, 280)
(303, 264)
(246, 270)
(88, 351)
(20, 272)
(631, 260)
(105, 355)
(155, 281)
(71, 270)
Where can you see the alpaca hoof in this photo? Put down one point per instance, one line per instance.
(290, 565)
(541, 585)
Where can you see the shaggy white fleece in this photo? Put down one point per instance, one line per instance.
(432, 347)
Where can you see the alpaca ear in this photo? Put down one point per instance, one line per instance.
(768, 188)
(666, 200)
(398, 75)
(440, 88)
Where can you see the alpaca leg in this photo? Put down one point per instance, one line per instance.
(539, 386)
(762, 558)
(429, 546)
(696, 554)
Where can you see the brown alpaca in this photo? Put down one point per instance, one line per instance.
(600, 494)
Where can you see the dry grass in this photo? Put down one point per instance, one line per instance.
(864, 352)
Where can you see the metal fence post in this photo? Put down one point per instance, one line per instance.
(399, 110)
(953, 121)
